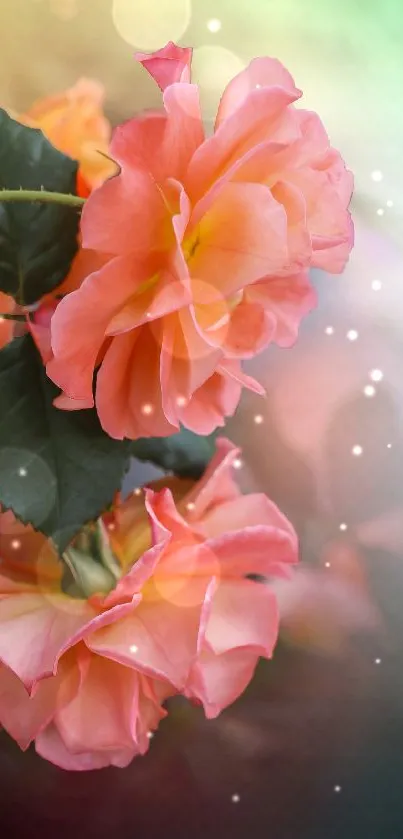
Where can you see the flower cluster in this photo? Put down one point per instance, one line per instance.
(191, 255)
(88, 662)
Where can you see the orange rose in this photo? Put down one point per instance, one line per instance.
(75, 124)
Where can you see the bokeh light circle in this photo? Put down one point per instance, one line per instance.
(150, 24)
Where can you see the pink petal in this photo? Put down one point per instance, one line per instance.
(328, 222)
(49, 621)
(24, 716)
(211, 404)
(167, 65)
(260, 73)
(102, 715)
(165, 512)
(39, 327)
(231, 368)
(159, 144)
(218, 680)
(184, 133)
(243, 614)
(248, 331)
(217, 484)
(298, 238)
(65, 403)
(286, 301)
(254, 510)
(50, 746)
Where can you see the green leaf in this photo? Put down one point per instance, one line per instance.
(58, 469)
(37, 241)
(185, 454)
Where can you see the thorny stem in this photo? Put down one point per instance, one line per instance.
(42, 196)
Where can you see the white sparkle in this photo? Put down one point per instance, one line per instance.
(181, 401)
(357, 451)
(369, 390)
(258, 419)
(327, 564)
(376, 285)
(329, 330)
(111, 526)
(235, 798)
(352, 334)
(214, 25)
(137, 491)
(258, 86)
(148, 315)
(380, 211)
(147, 409)
(190, 506)
(150, 735)
(389, 445)
(376, 375)
(343, 526)
(22, 472)
(378, 660)
(377, 175)
(237, 463)
(2, 319)
(15, 544)
(389, 203)
(134, 648)
(337, 788)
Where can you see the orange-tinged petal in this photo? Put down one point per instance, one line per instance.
(75, 124)
(128, 393)
(242, 238)
(80, 322)
(127, 215)
(160, 638)
(262, 116)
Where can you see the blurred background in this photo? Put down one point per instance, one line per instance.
(314, 748)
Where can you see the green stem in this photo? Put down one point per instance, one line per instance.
(12, 317)
(42, 196)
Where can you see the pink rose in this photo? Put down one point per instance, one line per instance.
(166, 609)
(206, 245)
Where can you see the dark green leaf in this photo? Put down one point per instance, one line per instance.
(37, 241)
(58, 469)
(185, 454)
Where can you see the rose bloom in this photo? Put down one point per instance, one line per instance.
(87, 660)
(75, 124)
(196, 255)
